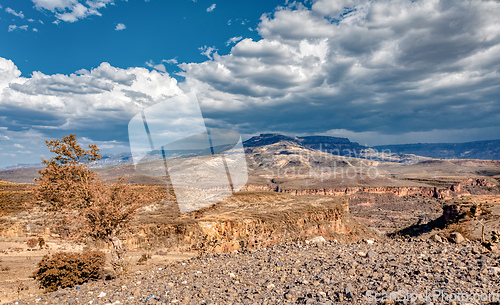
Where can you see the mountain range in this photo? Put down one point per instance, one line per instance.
(482, 150)
(404, 153)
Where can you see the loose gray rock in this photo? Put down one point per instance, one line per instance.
(349, 291)
(456, 238)
(295, 274)
(316, 240)
(437, 238)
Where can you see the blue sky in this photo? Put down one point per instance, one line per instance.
(377, 72)
(153, 30)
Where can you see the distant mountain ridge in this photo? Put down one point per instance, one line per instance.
(482, 150)
(106, 160)
(22, 165)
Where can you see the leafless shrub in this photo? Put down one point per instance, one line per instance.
(20, 287)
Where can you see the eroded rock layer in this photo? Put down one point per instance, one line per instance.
(248, 220)
(454, 190)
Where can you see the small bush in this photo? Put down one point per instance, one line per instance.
(41, 242)
(143, 258)
(32, 243)
(69, 269)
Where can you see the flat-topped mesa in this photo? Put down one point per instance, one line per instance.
(269, 139)
(309, 140)
(335, 145)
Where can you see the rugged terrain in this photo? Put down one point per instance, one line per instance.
(249, 220)
(416, 271)
(283, 247)
(298, 192)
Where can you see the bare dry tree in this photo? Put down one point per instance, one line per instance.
(92, 208)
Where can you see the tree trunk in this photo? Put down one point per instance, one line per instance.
(117, 254)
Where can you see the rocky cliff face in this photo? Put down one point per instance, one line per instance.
(249, 221)
(452, 191)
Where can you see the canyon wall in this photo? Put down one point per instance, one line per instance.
(250, 221)
(454, 190)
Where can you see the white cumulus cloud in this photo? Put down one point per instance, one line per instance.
(120, 27)
(211, 8)
(79, 11)
(208, 51)
(13, 12)
(159, 67)
(72, 10)
(233, 40)
(54, 5)
(388, 67)
(171, 61)
(84, 102)
(14, 27)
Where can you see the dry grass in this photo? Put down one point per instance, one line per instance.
(461, 227)
(13, 197)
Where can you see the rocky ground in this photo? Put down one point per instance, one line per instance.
(387, 213)
(322, 272)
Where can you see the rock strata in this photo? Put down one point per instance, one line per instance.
(250, 221)
(454, 190)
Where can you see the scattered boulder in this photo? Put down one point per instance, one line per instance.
(371, 254)
(495, 236)
(456, 238)
(316, 240)
(476, 250)
(437, 238)
(451, 212)
(475, 210)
